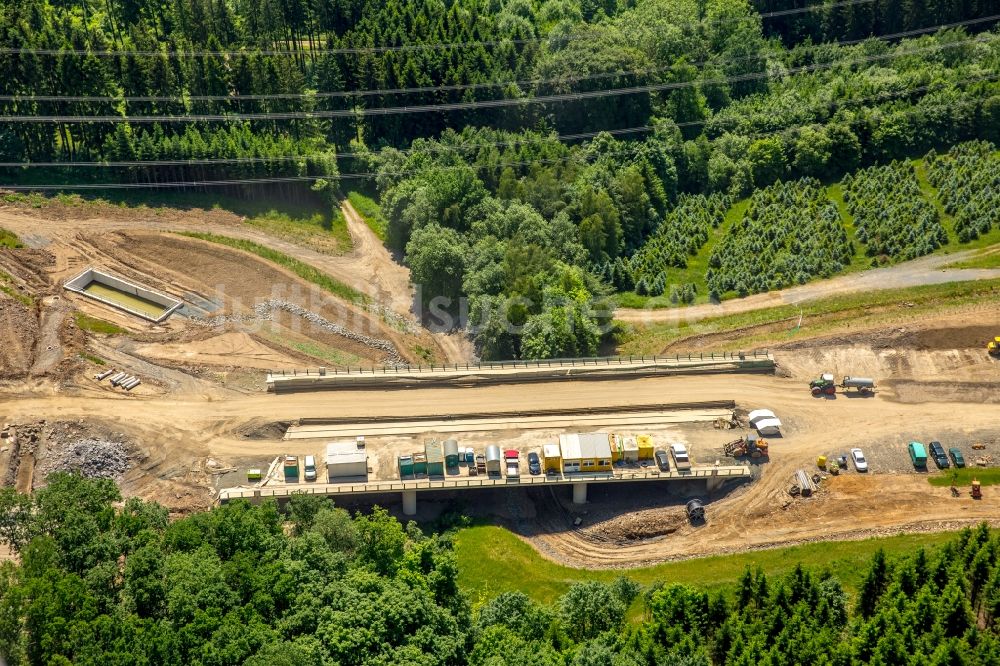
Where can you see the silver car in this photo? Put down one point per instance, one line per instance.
(858, 456)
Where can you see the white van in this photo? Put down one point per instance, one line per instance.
(310, 468)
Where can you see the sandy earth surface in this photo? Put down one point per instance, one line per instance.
(118, 239)
(181, 432)
(219, 350)
(201, 413)
(375, 265)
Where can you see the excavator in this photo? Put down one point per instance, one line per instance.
(824, 385)
(993, 347)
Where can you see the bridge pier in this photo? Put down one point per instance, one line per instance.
(409, 502)
(579, 493)
(713, 482)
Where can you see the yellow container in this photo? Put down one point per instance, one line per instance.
(645, 443)
(616, 447)
(821, 462)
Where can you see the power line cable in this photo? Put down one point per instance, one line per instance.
(362, 175)
(195, 53)
(418, 89)
(370, 92)
(471, 145)
(430, 108)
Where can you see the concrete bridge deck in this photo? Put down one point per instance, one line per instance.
(712, 475)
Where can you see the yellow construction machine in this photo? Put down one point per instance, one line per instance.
(750, 445)
(993, 347)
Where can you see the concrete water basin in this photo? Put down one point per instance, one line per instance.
(124, 295)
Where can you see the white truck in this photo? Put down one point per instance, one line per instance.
(511, 464)
(682, 462)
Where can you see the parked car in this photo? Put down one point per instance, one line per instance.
(682, 462)
(310, 468)
(918, 456)
(957, 457)
(858, 456)
(937, 452)
(662, 461)
(534, 464)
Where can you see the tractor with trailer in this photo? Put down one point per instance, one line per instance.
(750, 445)
(824, 385)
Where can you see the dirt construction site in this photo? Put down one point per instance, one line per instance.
(201, 416)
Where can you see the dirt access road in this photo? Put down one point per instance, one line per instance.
(375, 265)
(759, 515)
(392, 282)
(922, 271)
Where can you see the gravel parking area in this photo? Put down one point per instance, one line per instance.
(892, 456)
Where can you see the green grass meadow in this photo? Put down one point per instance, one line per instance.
(9, 239)
(492, 560)
(987, 476)
(370, 212)
(95, 325)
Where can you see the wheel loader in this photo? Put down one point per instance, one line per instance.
(751, 445)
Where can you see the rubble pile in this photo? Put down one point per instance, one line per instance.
(93, 458)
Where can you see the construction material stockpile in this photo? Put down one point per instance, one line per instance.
(93, 458)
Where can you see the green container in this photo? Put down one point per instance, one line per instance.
(451, 453)
(419, 464)
(434, 450)
(405, 466)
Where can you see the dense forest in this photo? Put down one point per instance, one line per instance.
(101, 581)
(531, 157)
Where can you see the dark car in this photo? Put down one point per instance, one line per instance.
(957, 456)
(937, 452)
(534, 464)
(662, 461)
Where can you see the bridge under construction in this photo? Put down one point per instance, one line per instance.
(515, 372)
